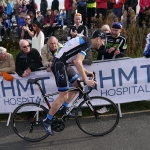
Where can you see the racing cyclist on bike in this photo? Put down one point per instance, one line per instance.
(73, 51)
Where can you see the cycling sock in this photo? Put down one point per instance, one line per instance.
(49, 117)
(65, 104)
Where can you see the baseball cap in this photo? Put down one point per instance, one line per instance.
(116, 25)
(98, 33)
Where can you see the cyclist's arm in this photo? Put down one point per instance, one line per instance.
(78, 64)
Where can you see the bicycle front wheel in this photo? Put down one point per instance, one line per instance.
(26, 122)
(99, 117)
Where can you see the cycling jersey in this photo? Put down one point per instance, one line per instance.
(74, 46)
(119, 43)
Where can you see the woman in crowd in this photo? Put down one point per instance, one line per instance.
(7, 63)
(49, 20)
(38, 38)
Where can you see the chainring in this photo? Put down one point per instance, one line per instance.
(58, 125)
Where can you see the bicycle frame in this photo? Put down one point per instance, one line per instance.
(81, 95)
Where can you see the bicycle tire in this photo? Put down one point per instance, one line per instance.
(104, 123)
(24, 124)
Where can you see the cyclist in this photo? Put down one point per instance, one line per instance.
(73, 51)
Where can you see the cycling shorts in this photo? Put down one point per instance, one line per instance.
(63, 74)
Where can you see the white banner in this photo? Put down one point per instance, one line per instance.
(122, 81)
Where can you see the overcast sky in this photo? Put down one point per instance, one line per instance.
(61, 3)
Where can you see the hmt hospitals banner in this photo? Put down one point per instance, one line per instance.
(122, 81)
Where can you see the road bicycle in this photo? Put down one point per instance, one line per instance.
(99, 117)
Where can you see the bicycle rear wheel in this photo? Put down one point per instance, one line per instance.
(98, 120)
(26, 122)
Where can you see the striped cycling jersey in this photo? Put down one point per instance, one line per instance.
(74, 46)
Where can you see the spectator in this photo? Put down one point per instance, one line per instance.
(91, 7)
(43, 7)
(1, 29)
(27, 60)
(144, 4)
(68, 7)
(131, 4)
(55, 5)
(31, 6)
(146, 52)
(117, 7)
(7, 25)
(101, 8)
(1, 8)
(78, 29)
(27, 30)
(21, 23)
(81, 8)
(115, 43)
(49, 20)
(17, 9)
(101, 51)
(49, 50)
(40, 19)
(38, 38)
(59, 21)
(7, 63)
(9, 9)
(24, 7)
(32, 16)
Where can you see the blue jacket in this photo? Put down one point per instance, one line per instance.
(9, 9)
(59, 20)
(21, 22)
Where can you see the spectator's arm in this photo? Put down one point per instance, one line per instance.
(37, 61)
(31, 33)
(52, 20)
(122, 47)
(88, 58)
(44, 55)
(19, 69)
(85, 33)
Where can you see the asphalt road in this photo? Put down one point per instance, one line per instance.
(132, 133)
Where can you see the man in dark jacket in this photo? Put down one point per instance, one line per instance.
(131, 4)
(43, 7)
(55, 5)
(27, 60)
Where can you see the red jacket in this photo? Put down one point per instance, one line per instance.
(68, 4)
(143, 4)
(119, 5)
(101, 4)
(49, 20)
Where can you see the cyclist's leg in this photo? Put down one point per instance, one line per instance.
(72, 76)
(59, 71)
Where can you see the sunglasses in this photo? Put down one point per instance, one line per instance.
(26, 46)
(27, 18)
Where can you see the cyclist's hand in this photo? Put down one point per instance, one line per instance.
(90, 74)
(48, 69)
(91, 83)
